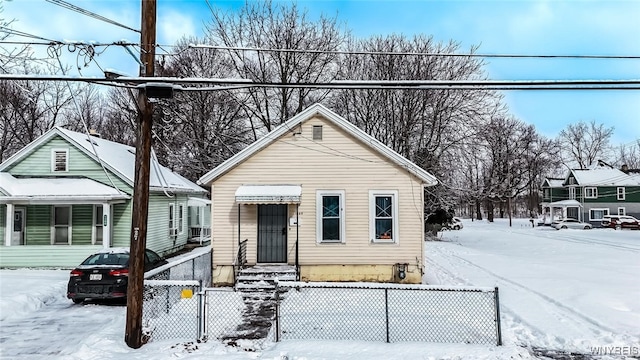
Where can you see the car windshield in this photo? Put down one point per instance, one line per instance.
(121, 259)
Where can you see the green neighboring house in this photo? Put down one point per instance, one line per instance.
(68, 194)
(590, 194)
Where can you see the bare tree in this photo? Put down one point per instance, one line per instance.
(266, 25)
(583, 143)
(196, 131)
(629, 155)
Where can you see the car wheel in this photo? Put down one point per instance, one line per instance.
(77, 300)
(564, 227)
(618, 227)
(456, 227)
(587, 227)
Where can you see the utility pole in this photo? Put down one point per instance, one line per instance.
(140, 211)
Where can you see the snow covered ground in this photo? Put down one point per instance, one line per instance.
(565, 291)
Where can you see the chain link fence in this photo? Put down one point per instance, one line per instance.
(388, 312)
(171, 306)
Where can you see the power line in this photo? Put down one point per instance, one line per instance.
(221, 83)
(88, 13)
(405, 53)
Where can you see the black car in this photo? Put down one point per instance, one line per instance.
(105, 274)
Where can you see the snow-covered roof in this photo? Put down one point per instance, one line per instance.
(602, 177)
(118, 158)
(318, 109)
(553, 182)
(34, 190)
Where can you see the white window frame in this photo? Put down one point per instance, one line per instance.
(172, 221)
(605, 212)
(622, 211)
(621, 193)
(180, 218)
(341, 195)
(591, 192)
(97, 223)
(53, 160)
(54, 225)
(394, 216)
(572, 193)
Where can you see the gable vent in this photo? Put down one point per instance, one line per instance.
(317, 132)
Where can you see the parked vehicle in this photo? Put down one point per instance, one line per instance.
(571, 224)
(456, 224)
(105, 274)
(620, 222)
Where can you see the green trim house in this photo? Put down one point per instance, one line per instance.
(68, 194)
(590, 194)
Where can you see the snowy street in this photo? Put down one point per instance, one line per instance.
(564, 291)
(567, 289)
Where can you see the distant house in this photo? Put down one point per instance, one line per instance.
(590, 194)
(320, 194)
(68, 194)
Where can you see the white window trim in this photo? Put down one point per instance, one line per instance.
(572, 193)
(180, 218)
(622, 211)
(594, 192)
(94, 233)
(623, 193)
(372, 216)
(53, 224)
(173, 230)
(53, 160)
(604, 210)
(341, 195)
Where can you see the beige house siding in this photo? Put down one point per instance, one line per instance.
(337, 162)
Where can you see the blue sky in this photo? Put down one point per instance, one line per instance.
(569, 27)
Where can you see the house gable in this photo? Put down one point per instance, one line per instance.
(38, 163)
(293, 125)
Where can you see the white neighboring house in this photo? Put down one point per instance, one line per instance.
(320, 194)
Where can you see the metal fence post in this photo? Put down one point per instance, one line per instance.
(386, 310)
(497, 310)
(199, 318)
(277, 310)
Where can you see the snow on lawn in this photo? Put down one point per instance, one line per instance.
(572, 290)
(568, 290)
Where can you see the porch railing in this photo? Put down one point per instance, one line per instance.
(200, 233)
(241, 259)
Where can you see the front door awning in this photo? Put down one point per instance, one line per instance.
(268, 194)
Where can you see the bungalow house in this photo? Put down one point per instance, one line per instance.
(590, 194)
(319, 194)
(68, 194)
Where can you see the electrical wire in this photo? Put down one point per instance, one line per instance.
(408, 53)
(88, 13)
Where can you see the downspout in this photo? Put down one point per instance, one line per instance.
(297, 240)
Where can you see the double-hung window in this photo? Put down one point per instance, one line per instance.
(598, 214)
(180, 218)
(591, 192)
(98, 223)
(383, 216)
(621, 193)
(61, 225)
(330, 216)
(572, 193)
(173, 231)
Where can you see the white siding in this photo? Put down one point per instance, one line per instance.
(337, 162)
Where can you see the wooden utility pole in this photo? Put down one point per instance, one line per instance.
(140, 211)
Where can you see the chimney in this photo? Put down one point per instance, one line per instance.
(93, 132)
(625, 168)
